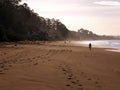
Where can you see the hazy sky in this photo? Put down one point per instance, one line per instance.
(99, 16)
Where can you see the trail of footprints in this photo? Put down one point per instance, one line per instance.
(73, 82)
(7, 62)
(49, 56)
(19, 58)
(4, 65)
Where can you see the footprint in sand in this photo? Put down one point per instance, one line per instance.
(10, 65)
(1, 73)
(89, 79)
(4, 53)
(63, 70)
(33, 58)
(69, 78)
(6, 68)
(35, 64)
(96, 82)
(2, 66)
(68, 85)
(73, 82)
(49, 59)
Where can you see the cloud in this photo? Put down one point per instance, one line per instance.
(108, 3)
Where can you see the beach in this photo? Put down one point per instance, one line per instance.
(58, 66)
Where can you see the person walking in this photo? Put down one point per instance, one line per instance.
(90, 46)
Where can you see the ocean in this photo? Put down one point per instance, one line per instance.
(113, 45)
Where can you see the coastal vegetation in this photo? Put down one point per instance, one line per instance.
(18, 22)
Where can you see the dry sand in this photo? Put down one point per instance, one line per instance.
(58, 66)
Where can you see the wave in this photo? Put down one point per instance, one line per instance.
(113, 44)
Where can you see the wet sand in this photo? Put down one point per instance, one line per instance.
(58, 66)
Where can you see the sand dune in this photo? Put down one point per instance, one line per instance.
(58, 66)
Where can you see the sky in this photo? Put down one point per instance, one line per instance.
(99, 16)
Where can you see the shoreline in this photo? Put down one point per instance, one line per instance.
(106, 47)
(71, 43)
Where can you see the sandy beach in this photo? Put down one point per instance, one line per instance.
(58, 66)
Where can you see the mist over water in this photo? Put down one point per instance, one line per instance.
(114, 45)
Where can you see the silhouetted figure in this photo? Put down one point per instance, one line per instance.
(90, 46)
(15, 44)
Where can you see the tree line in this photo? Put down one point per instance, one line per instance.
(84, 34)
(18, 23)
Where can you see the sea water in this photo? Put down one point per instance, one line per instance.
(113, 45)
